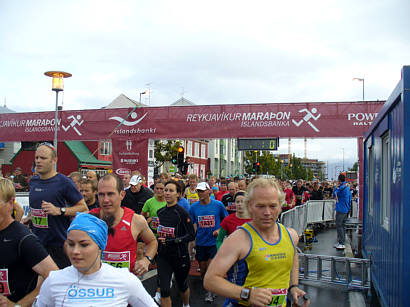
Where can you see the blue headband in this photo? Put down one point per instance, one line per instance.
(96, 228)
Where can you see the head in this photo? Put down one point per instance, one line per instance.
(193, 180)
(341, 178)
(212, 181)
(172, 191)
(242, 185)
(215, 189)
(241, 208)
(164, 176)
(159, 190)
(223, 187)
(315, 186)
(110, 194)
(88, 189)
(92, 175)
(46, 160)
(299, 183)
(17, 171)
(232, 188)
(86, 239)
(204, 192)
(7, 197)
(126, 180)
(76, 178)
(264, 202)
(135, 183)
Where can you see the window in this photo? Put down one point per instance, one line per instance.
(189, 148)
(203, 147)
(196, 146)
(150, 154)
(216, 147)
(385, 181)
(370, 180)
(105, 148)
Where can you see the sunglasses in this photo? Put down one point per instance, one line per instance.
(49, 145)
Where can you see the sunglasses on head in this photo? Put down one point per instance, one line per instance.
(49, 145)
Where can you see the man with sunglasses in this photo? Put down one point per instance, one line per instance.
(54, 198)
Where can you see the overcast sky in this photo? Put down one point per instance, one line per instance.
(211, 52)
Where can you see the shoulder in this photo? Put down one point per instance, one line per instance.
(293, 234)
(162, 210)
(139, 221)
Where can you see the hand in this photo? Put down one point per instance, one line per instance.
(141, 266)
(50, 209)
(297, 293)
(215, 233)
(4, 302)
(260, 297)
(162, 240)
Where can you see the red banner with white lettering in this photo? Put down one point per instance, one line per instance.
(312, 120)
(130, 154)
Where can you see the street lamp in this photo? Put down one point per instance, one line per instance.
(57, 86)
(142, 93)
(361, 80)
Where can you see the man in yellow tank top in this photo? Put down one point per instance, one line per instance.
(260, 257)
(190, 192)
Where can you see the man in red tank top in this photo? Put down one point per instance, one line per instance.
(125, 227)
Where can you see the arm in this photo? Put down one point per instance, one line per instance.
(19, 212)
(140, 228)
(221, 236)
(235, 247)
(49, 208)
(189, 232)
(295, 292)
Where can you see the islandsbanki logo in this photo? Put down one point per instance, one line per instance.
(135, 121)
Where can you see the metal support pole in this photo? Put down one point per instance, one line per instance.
(56, 124)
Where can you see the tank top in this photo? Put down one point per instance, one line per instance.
(191, 196)
(121, 249)
(267, 265)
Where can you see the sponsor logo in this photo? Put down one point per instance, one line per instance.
(129, 123)
(128, 144)
(361, 119)
(309, 115)
(75, 121)
(122, 171)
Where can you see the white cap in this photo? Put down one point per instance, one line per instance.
(203, 186)
(135, 180)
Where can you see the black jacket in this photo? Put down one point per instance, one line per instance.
(135, 201)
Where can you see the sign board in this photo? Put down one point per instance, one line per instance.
(172, 169)
(258, 144)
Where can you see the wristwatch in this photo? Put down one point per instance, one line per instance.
(149, 258)
(62, 210)
(245, 294)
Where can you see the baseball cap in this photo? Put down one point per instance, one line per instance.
(135, 180)
(203, 186)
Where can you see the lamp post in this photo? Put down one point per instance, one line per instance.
(57, 86)
(142, 93)
(361, 80)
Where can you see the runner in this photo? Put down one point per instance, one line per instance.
(265, 252)
(175, 231)
(124, 228)
(88, 282)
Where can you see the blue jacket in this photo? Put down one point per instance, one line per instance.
(344, 198)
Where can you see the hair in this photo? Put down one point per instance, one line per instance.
(193, 176)
(341, 178)
(119, 183)
(91, 182)
(182, 185)
(76, 175)
(159, 181)
(96, 174)
(177, 185)
(51, 147)
(7, 191)
(263, 183)
(239, 193)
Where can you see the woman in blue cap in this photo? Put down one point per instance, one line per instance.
(88, 281)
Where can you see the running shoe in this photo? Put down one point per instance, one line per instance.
(340, 246)
(157, 298)
(209, 297)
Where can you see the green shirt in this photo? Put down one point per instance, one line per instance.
(151, 206)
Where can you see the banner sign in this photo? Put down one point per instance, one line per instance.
(129, 155)
(330, 119)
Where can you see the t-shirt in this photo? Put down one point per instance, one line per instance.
(184, 204)
(17, 278)
(231, 222)
(299, 193)
(208, 218)
(61, 192)
(108, 287)
(229, 203)
(151, 206)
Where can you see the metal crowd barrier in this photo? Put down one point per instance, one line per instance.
(22, 199)
(312, 212)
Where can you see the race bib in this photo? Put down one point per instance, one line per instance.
(39, 218)
(117, 259)
(155, 222)
(165, 232)
(4, 282)
(206, 221)
(278, 297)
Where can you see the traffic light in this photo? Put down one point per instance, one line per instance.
(258, 167)
(254, 167)
(180, 157)
(174, 160)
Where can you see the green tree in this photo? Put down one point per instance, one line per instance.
(165, 150)
(355, 167)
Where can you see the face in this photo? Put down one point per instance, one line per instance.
(5, 211)
(223, 187)
(88, 193)
(17, 172)
(159, 190)
(240, 204)
(126, 180)
(232, 188)
(109, 197)
(82, 251)
(91, 175)
(45, 164)
(204, 196)
(193, 182)
(299, 184)
(264, 207)
(135, 188)
(170, 193)
(212, 181)
(242, 185)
